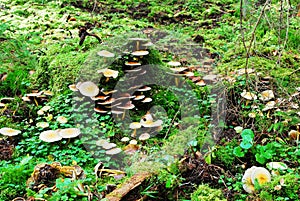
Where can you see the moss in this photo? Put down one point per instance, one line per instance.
(204, 192)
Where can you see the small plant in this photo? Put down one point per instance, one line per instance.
(247, 143)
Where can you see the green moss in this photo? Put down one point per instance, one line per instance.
(204, 192)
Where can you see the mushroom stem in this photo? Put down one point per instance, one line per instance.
(68, 141)
(107, 79)
(137, 45)
(134, 133)
(35, 101)
(176, 81)
(123, 116)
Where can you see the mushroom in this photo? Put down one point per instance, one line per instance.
(89, 89)
(294, 135)
(200, 83)
(139, 97)
(144, 136)
(109, 73)
(69, 132)
(151, 124)
(108, 145)
(45, 108)
(261, 175)
(133, 142)
(42, 124)
(105, 53)
(108, 92)
(125, 139)
(140, 53)
(248, 186)
(132, 63)
(146, 100)
(9, 131)
(62, 119)
(99, 110)
(50, 136)
(138, 40)
(73, 87)
(248, 96)
(107, 102)
(275, 167)
(174, 63)
(113, 151)
(266, 95)
(134, 126)
(144, 88)
(99, 98)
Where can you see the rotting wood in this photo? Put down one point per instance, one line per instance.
(128, 186)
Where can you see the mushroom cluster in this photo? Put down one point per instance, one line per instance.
(255, 175)
(185, 72)
(37, 96)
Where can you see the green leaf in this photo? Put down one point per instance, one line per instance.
(238, 152)
(246, 144)
(246, 133)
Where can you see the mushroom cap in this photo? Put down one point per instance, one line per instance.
(151, 124)
(105, 53)
(144, 136)
(246, 180)
(134, 142)
(139, 97)
(125, 139)
(109, 73)
(73, 87)
(108, 145)
(62, 119)
(117, 112)
(174, 63)
(248, 95)
(107, 102)
(42, 124)
(138, 39)
(262, 175)
(45, 108)
(266, 95)
(293, 134)
(127, 106)
(35, 94)
(178, 69)
(47, 93)
(270, 105)
(89, 89)
(146, 117)
(140, 53)
(69, 132)
(135, 125)
(189, 74)
(113, 151)
(25, 98)
(108, 92)
(201, 83)
(50, 136)
(99, 110)
(144, 88)
(9, 131)
(277, 166)
(146, 100)
(2, 104)
(99, 97)
(252, 115)
(132, 63)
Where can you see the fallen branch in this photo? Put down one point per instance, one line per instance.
(128, 186)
